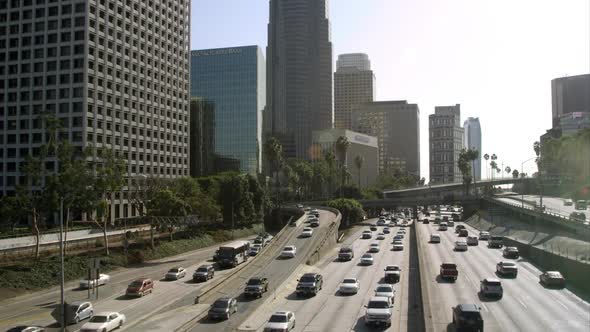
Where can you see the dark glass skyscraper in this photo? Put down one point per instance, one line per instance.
(232, 81)
(299, 73)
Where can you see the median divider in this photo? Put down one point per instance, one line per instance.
(329, 239)
(427, 316)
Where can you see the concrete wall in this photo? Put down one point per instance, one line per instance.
(328, 240)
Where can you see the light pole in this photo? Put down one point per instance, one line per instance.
(522, 172)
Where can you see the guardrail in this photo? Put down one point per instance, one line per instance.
(329, 232)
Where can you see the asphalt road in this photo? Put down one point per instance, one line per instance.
(35, 308)
(269, 266)
(332, 311)
(526, 305)
(552, 204)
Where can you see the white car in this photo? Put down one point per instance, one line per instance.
(484, 235)
(103, 279)
(385, 290)
(374, 247)
(397, 245)
(378, 311)
(307, 232)
(367, 259)
(472, 240)
(254, 249)
(289, 252)
(104, 322)
(434, 238)
(461, 245)
(280, 321)
(392, 273)
(443, 226)
(176, 273)
(349, 286)
(380, 236)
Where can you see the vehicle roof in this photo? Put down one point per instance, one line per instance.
(290, 247)
(491, 280)
(224, 299)
(142, 279)
(257, 278)
(508, 263)
(554, 273)
(435, 234)
(379, 298)
(281, 313)
(106, 313)
(310, 274)
(205, 265)
(78, 303)
(468, 307)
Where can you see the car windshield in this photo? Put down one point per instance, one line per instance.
(202, 269)
(384, 289)
(254, 282)
(378, 305)
(278, 319)
(98, 319)
(367, 256)
(349, 281)
(392, 268)
(173, 270)
(220, 304)
(470, 315)
(345, 250)
(288, 249)
(307, 279)
(508, 264)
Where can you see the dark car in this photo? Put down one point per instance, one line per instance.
(426, 221)
(467, 317)
(309, 284)
(26, 328)
(256, 286)
(373, 228)
(511, 252)
(578, 216)
(223, 308)
(204, 273)
(552, 279)
(463, 232)
(458, 228)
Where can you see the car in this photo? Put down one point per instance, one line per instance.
(280, 321)
(104, 322)
(401, 231)
(581, 205)
(75, 312)
(491, 287)
(568, 202)
(442, 226)
(397, 246)
(346, 253)
(578, 216)
(385, 290)
(309, 284)
(381, 222)
(472, 240)
(262, 241)
(204, 273)
(552, 279)
(378, 311)
(314, 223)
(451, 223)
(367, 235)
(507, 269)
(223, 308)
(398, 237)
(449, 271)
(496, 242)
(367, 259)
(300, 206)
(392, 273)
(175, 273)
(380, 236)
(26, 328)
(463, 233)
(311, 218)
(434, 238)
(103, 279)
(315, 212)
(467, 317)
(307, 209)
(484, 236)
(254, 249)
(289, 252)
(349, 286)
(140, 287)
(426, 221)
(511, 252)
(386, 230)
(307, 232)
(458, 228)
(461, 245)
(256, 286)
(373, 228)
(374, 247)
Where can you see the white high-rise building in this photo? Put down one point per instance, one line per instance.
(359, 61)
(473, 141)
(354, 84)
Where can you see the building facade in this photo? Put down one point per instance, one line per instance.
(354, 83)
(361, 145)
(232, 80)
(202, 137)
(396, 124)
(114, 73)
(299, 72)
(569, 95)
(447, 139)
(472, 129)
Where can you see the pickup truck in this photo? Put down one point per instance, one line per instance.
(449, 271)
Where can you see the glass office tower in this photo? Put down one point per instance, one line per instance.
(233, 80)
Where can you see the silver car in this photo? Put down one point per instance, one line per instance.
(176, 273)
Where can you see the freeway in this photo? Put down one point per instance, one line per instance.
(271, 267)
(526, 304)
(552, 204)
(332, 311)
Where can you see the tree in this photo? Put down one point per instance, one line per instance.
(342, 145)
(507, 169)
(464, 163)
(164, 206)
(142, 190)
(515, 173)
(273, 151)
(330, 160)
(305, 173)
(358, 162)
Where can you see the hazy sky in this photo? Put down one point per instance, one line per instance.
(494, 57)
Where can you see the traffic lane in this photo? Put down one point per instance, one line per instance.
(443, 295)
(332, 311)
(38, 306)
(525, 292)
(275, 269)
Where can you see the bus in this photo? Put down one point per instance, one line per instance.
(232, 254)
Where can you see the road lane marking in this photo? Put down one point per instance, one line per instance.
(522, 302)
(560, 303)
(484, 307)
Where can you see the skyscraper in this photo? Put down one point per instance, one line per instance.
(569, 95)
(354, 83)
(232, 80)
(299, 73)
(473, 141)
(115, 74)
(446, 142)
(202, 137)
(396, 124)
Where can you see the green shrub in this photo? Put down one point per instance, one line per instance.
(351, 210)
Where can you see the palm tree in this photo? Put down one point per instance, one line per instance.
(342, 145)
(358, 162)
(486, 157)
(494, 158)
(273, 151)
(330, 162)
(507, 169)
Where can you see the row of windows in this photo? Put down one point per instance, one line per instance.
(41, 26)
(36, 109)
(26, 3)
(40, 53)
(39, 81)
(27, 41)
(47, 94)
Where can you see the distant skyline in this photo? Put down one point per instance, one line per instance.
(496, 59)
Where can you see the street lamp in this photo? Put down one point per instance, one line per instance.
(522, 172)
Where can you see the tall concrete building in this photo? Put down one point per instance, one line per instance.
(299, 73)
(115, 74)
(361, 145)
(233, 81)
(569, 95)
(472, 140)
(354, 83)
(396, 124)
(447, 139)
(202, 137)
